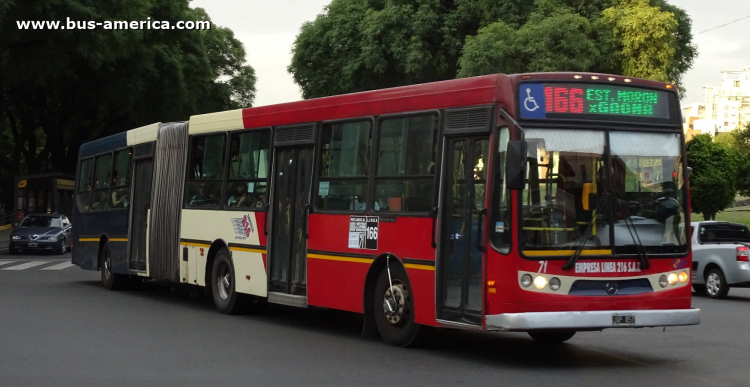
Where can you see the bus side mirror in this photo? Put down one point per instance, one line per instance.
(515, 165)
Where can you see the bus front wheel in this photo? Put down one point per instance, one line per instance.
(552, 337)
(394, 309)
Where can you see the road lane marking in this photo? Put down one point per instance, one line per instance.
(5, 262)
(26, 265)
(59, 266)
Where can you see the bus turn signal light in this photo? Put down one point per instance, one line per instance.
(490, 283)
(683, 276)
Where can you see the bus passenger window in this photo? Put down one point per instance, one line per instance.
(100, 189)
(206, 171)
(406, 164)
(248, 170)
(120, 197)
(344, 166)
(83, 193)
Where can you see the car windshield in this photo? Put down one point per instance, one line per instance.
(41, 221)
(640, 200)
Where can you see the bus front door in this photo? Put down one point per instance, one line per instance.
(293, 178)
(138, 230)
(463, 209)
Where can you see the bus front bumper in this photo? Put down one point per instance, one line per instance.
(592, 320)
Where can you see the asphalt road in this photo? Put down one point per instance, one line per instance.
(59, 327)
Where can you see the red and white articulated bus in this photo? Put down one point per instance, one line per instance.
(546, 203)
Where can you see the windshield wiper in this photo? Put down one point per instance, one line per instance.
(579, 250)
(645, 264)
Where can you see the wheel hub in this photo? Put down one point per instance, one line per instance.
(224, 283)
(713, 283)
(394, 303)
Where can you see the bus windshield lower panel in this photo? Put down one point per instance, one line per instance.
(605, 191)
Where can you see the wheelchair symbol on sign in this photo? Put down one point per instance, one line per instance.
(530, 101)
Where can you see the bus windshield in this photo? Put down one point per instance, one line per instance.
(628, 186)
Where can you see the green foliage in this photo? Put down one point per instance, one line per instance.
(360, 45)
(61, 88)
(728, 139)
(712, 182)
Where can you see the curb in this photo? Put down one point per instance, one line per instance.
(6, 227)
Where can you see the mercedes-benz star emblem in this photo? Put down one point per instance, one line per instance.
(611, 288)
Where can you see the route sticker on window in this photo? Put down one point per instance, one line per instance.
(363, 232)
(499, 226)
(323, 188)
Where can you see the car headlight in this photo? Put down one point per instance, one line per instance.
(15, 237)
(49, 239)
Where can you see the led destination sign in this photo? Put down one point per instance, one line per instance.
(550, 100)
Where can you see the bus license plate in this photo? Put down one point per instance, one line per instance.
(623, 319)
(33, 245)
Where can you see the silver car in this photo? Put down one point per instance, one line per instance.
(720, 257)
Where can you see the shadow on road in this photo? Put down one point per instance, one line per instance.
(730, 297)
(489, 349)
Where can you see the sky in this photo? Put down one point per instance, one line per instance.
(268, 28)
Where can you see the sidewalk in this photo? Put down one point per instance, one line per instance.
(5, 238)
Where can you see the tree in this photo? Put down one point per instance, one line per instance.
(59, 89)
(712, 181)
(358, 45)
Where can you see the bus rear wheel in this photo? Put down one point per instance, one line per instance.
(394, 309)
(226, 299)
(552, 337)
(110, 280)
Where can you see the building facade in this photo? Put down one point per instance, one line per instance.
(728, 106)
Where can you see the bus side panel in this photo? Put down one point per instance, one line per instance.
(241, 230)
(88, 230)
(336, 284)
(336, 273)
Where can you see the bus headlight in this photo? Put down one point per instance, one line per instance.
(554, 283)
(683, 276)
(526, 280)
(663, 281)
(540, 282)
(672, 278)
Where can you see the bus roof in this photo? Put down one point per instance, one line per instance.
(452, 93)
(120, 140)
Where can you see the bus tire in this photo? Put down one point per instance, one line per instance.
(110, 280)
(716, 284)
(226, 299)
(396, 325)
(556, 337)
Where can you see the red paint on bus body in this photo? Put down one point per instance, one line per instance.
(339, 284)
